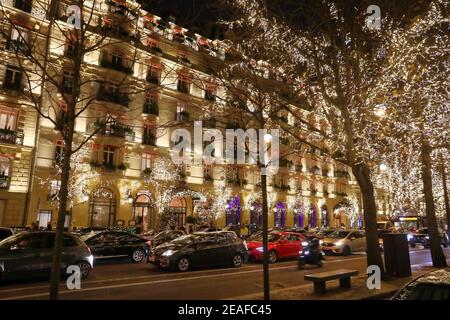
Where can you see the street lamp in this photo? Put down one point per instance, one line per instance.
(380, 110)
(383, 167)
(267, 138)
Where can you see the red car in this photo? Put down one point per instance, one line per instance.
(280, 244)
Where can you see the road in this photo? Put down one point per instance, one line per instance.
(123, 280)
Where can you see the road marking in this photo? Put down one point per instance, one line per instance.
(252, 266)
(162, 281)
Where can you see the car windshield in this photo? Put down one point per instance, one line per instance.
(89, 235)
(272, 237)
(162, 235)
(426, 292)
(185, 240)
(338, 234)
(12, 239)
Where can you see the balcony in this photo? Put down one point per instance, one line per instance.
(342, 174)
(11, 137)
(157, 51)
(151, 107)
(113, 96)
(4, 181)
(183, 87)
(149, 140)
(115, 131)
(105, 63)
(182, 116)
(18, 46)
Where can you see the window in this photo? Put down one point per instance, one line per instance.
(18, 41)
(149, 136)
(207, 171)
(5, 167)
(54, 188)
(13, 78)
(24, 5)
(116, 59)
(8, 117)
(146, 161)
(210, 92)
(67, 84)
(108, 156)
(154, 74)
(59, 151)
(184, 84)
(44, 217)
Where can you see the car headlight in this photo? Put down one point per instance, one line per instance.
(260, 249)
(339, 244)
(306, 253)
(409, 237)
(427, 237)
(168, 253)
(304, 243)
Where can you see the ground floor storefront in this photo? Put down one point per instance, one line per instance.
(115, 201)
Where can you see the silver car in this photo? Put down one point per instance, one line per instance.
(344, 242)
(30, 254)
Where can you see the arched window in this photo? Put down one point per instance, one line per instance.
(256, 214)
(279, 215)
(142, 211)
(5, 169)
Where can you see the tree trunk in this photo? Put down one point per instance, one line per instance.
(63, 195)
(437, 255)
(265, 213)
(362, 174)
(444, 187)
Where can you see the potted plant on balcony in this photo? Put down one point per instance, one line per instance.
(123, 166)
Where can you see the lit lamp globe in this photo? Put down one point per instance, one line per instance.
(383, 167)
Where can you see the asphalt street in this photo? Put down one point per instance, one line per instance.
(124, 280)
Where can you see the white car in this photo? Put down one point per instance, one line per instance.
(344, 242)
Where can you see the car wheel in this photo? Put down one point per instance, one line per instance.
(237, 260)
(85, 269)
(273, 256)
(137, 256)
(183, 264)
(346, 251)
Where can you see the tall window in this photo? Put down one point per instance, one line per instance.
(184, 83)
(154, 74)
(44, 218)
(210, 92)
(5, 167)
(59, 151)
(149, 137)
(108, 156)
(24, 5)
(67, 84)
(8, 118)
(116, 59)
(54, 188)
(146, 161)
(13, 78)
(18, 40)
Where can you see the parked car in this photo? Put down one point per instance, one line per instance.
(434, 285)
(30, 254)
(324, 232)
(149, 234)
(422, 237)
(165, 236)
(200, 249)
(83, 231)
(116, 244)
(5, 233)
(280, 245)
(344, 242)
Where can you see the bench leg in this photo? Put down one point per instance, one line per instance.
(345, 282)
(319, 287)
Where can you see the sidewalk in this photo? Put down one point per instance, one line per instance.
(359, 290)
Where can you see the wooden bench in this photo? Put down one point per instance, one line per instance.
(320, 279)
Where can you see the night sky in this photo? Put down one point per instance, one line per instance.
(197, 15)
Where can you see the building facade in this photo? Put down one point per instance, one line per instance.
(146, 79)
